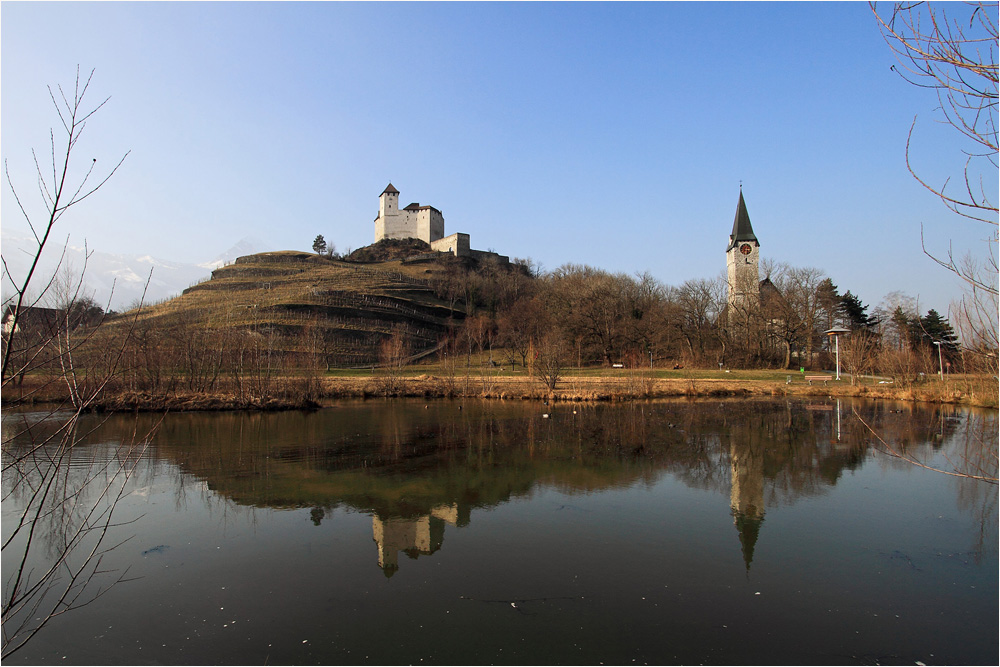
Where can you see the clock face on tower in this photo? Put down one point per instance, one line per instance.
(745, 249)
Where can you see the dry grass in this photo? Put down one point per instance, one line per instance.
(302, 298)
(298, 392)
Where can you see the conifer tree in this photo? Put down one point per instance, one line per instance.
(934, 328)
(855, 313)
(319, 245)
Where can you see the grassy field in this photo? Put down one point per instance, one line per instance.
(304, 389)
(475, 377)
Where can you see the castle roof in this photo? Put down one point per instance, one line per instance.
(742, 231)
(390, 189)
(415, 206)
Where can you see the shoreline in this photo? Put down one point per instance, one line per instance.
(298, 393)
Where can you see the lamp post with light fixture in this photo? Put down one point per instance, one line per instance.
(837, 332)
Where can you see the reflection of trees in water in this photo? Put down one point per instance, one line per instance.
(402, 460)
(416, 469)
(490, 451)
(60, 499)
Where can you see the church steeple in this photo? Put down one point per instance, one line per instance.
(742, 257)
(742, 230)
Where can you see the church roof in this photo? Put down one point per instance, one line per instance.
(390, 189)
(742, 231)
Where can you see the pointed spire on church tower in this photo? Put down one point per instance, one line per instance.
(748, 528)
(742, 230)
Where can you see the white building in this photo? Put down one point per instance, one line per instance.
(419, 222)
(415, 221)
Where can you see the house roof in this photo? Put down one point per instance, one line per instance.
(742, 230)
(390, 189)
(36, 318)
(36, 312)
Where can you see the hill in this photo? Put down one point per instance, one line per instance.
(304, 305)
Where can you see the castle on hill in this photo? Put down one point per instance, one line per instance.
(421, 222)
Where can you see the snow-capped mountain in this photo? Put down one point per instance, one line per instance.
(112, 278)
(245, 246)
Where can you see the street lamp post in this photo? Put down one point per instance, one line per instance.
(940, 364)
(836, 332)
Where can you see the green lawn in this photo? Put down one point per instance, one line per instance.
(476, 369)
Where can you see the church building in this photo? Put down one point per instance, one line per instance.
(742, 260)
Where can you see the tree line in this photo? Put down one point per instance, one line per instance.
(585, 316)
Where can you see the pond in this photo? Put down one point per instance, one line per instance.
(412, 532)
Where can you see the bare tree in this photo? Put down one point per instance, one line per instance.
(393, 355)
(54, 500)
(550, 359)
(952, 50)
(58, 194)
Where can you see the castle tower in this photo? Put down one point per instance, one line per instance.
(388, 202)
(742, 259)
(388, 220)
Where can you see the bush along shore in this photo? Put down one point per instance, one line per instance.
(292, 393)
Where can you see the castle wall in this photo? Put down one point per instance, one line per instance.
(398, 226)
(457, 244)
(425, 223)
(422, 222)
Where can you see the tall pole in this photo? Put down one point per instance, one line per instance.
(940, 364)
(836, 343)
(836, 333)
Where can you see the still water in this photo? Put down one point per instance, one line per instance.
(405, 532)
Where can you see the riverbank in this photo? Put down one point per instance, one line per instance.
(296, 392)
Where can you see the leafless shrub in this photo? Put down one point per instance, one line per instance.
(57, 541)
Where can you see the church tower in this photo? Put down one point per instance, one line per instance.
(742, 259)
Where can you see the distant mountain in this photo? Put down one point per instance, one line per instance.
(120, 278)
(245, 246)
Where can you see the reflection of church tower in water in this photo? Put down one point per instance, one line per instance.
(414, 537)
(747, 493)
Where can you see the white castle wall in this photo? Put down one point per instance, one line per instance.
(421, 222)
(457, 244)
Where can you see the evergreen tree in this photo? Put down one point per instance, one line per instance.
(855, 313)
(934, 328)
(828, 300)
(319, 245)
(902, 326)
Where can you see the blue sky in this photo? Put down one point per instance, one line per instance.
(614, 135)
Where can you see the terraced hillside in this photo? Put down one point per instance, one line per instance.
(311, 305)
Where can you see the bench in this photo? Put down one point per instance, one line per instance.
(812, 378)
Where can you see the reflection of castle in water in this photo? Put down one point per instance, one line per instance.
(414, 537)
(415, 468)
(746, 498)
